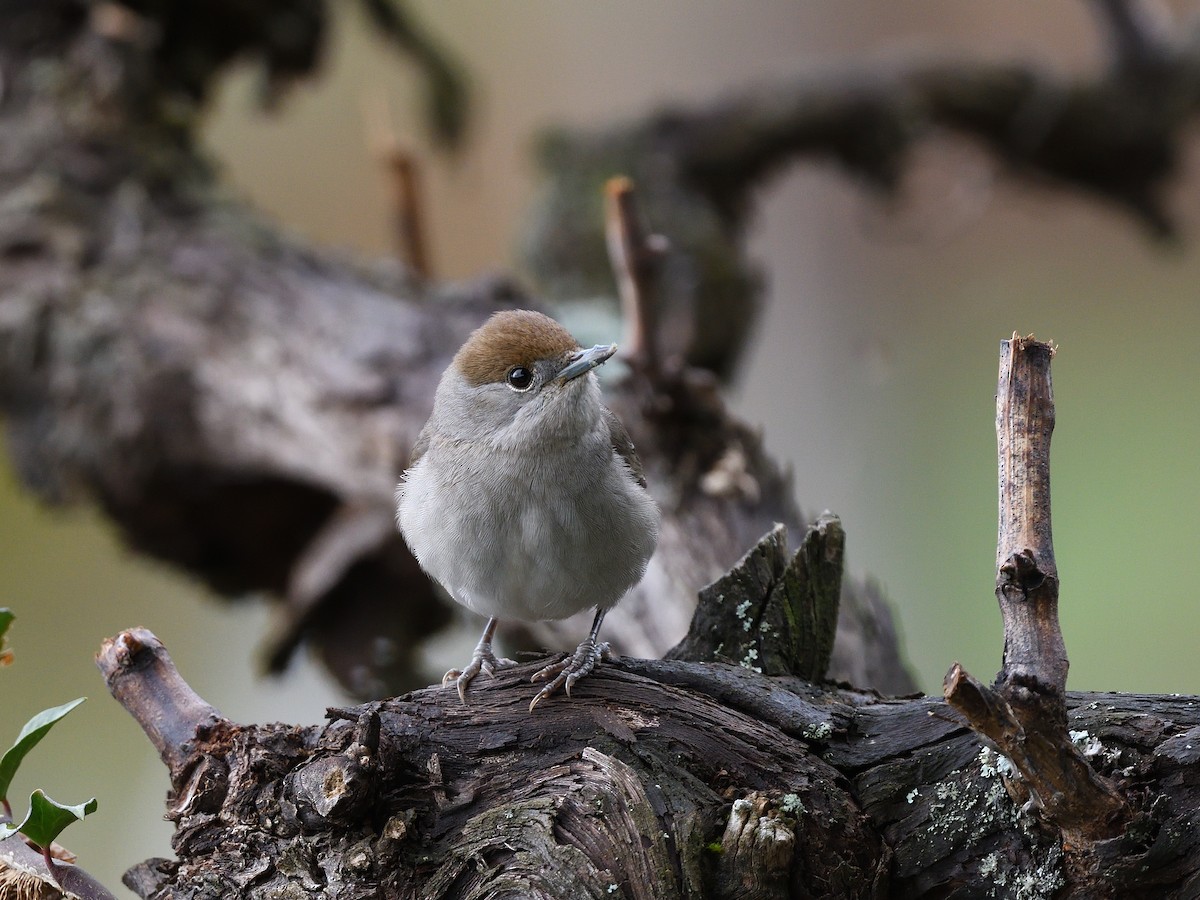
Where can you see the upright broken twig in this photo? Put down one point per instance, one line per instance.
(636, 259)
(400, 166)
(1024, 715)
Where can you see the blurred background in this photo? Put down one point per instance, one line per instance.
(872, 371)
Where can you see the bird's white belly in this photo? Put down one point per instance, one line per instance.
(534, 542)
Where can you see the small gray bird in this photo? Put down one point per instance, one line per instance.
(525, 498)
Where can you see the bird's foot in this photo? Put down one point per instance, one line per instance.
(482, 660)
(571, 668)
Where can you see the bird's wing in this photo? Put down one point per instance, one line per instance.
(420, 446)
(623, 446)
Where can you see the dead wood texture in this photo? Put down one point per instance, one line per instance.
(1024, 715)
(662, 779)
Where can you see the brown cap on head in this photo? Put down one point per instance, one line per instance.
(518, 337)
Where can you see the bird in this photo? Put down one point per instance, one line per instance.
(524, 497)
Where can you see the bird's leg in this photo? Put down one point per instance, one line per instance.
(482, 660)
(573, 667)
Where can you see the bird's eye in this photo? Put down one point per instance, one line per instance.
(519, 378)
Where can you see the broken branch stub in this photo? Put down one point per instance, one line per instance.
(141, 677)
(636, 258)
(1026, 573)
(1024, 715)
(772, 614)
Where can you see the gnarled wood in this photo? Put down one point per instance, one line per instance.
(663, 779)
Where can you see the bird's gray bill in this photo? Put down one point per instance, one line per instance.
(586, 360)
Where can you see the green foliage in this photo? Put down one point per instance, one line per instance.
(47, 818)
(33, 732)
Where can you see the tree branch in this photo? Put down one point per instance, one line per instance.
(141, 677)
(1025, 716)
(1115, 137)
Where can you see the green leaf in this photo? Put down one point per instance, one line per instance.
(35, 729)
(47, 818)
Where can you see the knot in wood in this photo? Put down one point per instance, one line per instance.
(1022, 573)
(333, 788)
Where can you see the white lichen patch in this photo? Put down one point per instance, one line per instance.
(989, 867)
(741, 611)
(818, 731)
(1043, 882)
(1092, 749)
(993, 764)
(912, 795)
(750, 659)
(964, 814)
(1089, 746)
(792, 805)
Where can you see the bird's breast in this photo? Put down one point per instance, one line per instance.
(531, 534)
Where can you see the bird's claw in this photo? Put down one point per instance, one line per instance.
(482, 660)
(570, 669)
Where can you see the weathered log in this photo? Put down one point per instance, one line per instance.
(656, 779)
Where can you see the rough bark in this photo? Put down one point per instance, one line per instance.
(656, 779)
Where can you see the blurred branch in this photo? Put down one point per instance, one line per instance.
(636, 259)
(403, 174)
(446, 97)
(242, 405)
(1114, 136)
(1138, 32)
(192, 42)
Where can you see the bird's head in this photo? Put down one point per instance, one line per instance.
(520, 378)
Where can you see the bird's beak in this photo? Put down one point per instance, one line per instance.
(586, 360)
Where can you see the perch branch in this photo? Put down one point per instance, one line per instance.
(1025, 716)
(634, 780)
